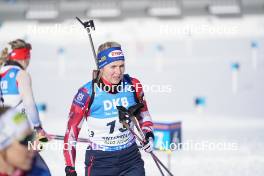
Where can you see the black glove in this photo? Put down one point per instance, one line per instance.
(148, 146)
(41, 135)
(148, 134)
(70, 171)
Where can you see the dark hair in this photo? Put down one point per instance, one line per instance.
(3, 109)
(19, 43)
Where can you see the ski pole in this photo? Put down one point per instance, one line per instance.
(89, 25)
(157, 164)
(124, 115)
(158, 160)
(61, 138)
(135, 121)
(155, 158)
(141, 141)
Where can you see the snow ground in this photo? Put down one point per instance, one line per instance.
(246, 158)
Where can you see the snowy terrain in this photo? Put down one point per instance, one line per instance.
(245, 160)
(189, 65)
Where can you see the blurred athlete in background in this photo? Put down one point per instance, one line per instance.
(16, 86)
(16, 158)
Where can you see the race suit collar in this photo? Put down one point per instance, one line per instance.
(12, 62)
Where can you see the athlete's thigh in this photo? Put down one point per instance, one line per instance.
(99, 163)
(134, 170)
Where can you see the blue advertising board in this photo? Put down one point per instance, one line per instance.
(167, 135)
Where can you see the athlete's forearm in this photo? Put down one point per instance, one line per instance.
(77, 112)
(71, 136)
(146, 123)
(32, 112)
(25, 89)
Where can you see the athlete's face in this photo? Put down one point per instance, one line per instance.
(24, 63)
(114, 71)
(19, 156)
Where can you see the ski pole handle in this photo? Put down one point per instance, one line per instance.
(89, 25)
